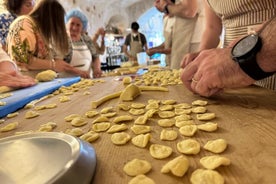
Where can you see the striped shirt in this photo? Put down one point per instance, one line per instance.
(238, 16)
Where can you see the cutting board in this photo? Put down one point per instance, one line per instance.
(21, 97)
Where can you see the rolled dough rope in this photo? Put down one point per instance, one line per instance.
(4, 89)
(95, 104)
(153, 88)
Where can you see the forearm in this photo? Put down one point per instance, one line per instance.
(266, 58)
(185, 9)
(125, 51)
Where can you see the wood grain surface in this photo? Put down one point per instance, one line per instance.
(246, 119)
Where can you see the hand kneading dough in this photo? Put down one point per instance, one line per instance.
(177, 166)
(136, 167)
(214, 161)
(141, 179)
(216, 146)
(200, 176)
(47, 75)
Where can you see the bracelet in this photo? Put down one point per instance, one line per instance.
(53, 64)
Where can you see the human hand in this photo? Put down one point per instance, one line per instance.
(97, 73)
(212, 71)
(150, 52)
(16, 80)
(188, 58)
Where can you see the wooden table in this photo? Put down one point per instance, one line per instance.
(246, 119)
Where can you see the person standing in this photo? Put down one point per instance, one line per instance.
(15, 8)
(185, 13)
(136, 42)
(38, 42)
(82, 51)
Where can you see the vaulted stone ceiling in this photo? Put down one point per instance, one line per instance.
(102, 13)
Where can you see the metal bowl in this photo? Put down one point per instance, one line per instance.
(46, 158)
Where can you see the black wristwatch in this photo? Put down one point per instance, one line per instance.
(244, 52)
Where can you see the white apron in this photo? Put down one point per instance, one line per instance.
(135, 46)
(81, 58)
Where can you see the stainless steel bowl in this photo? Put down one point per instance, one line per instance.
(46, 158)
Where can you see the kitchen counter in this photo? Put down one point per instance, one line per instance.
(246, 119)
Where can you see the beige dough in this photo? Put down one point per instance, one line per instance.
(166, 122)
(208, 127)
(31, 114)
(141, 140)
(177, 166)
(122, 118)
(120, 138)
(117, 128)
(168, 135)
(216, 146)
(101, 127)
(130, 93)
(160, 151)
(188, 130)
(90, 136)
(9, 127)
(141, 179)
(180, 124)
(74, 132)
(136, 112)
(200, 102)
(206, 116)
(206, 176)
(189, 147)
(214, 161)
(140, 129)
(137, 167)
(91, 114)
(78, 121)
(71, 117)
(141, 120)
(45, 76)
(199, 110)
(166, 114)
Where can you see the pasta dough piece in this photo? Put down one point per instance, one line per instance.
(47, 75)
(180, 124)
(214, 161)
(31, 114)
(153, 88)
(183, 117)
(74, 132)
(200, 102)
(208, 127)
(182, 106)
(166, 122)
(120, 138)
(160, 151)
(168, 135)
(90, 136)
(188, 130)
(141, 140)
(95, 104)
(91, 114)
(5, 95)
(208, 176)
(109, 115)
(117, 128)
(136, 167)
(136, 112)
(101, 127)
(188, 146)
(47, 127)
(151, 112)
(166, 114)
(127, 80)
(141, 179)
(122, 118)
(153, 105)
(107, 110)
(216, 146)
(64, 99)
(177, 166)
(179, 111)
(140, 129)
(168, 102)
(3, 103)
(166, 108)
(123, 107)
(9, 127)
(138, 105)
(78, 121)
(199, 110)
(130, 93)
(206, 116)
(100, 119)
(71, 117)
(12, 115)
(141, 120)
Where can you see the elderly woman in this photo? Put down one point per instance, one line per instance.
(83, 53)
(15, 8)
(38, 42)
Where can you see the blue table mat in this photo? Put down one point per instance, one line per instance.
(23, 96)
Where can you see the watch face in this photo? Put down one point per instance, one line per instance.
(245, 45)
